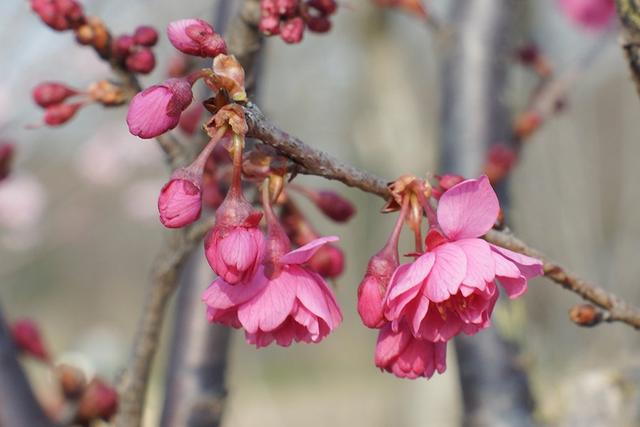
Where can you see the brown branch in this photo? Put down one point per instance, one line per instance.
(629, 13)
(316, 162)
(132, 385)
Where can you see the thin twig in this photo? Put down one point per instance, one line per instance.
(629, 13)
(316, 162)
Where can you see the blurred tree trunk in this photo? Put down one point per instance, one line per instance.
(495, 390)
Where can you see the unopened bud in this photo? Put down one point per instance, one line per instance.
(145, 36)
(59, 114)
(526, 124)
(334, 205)
(142, 61)
(27, 337)
(122, 45)
(99, 401)
(72, 381)
(47, 94)
(292, 30)
(585, 315)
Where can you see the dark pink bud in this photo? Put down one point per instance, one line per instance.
(59, 114)
(6, 157)
(287, 7)
(142, 61)
(145, 36)
(99, 401)
(445, 182)
(180, 201)
(47, 94)
(122, 45)
(373, 288)
(328, 261)
(196, 37)
(60, 15)
(269, 7)
(319, 24)
(326, 7)
(270, 25)
(292, 30)
(334, 205)
(28, 339)
(500, 161)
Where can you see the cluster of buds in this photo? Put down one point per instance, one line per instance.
(451, 286)
(289, 18)
(89, 401)
(254, 267)
(133, 51)
(61, 102)
(129, 52)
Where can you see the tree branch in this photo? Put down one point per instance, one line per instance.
(629, 13)
(316, 162)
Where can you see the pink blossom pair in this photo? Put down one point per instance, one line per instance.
(448, 290)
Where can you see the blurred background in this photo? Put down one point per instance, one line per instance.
(79, 227)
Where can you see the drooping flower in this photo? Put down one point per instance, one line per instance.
(590, 14)
(450, 288)
(234, 245)
(157, 109)
(196, 37)
(407, 356)
(285, 301)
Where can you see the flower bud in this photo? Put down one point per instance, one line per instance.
(526, 124)
(145, 36)
(60, 15)
(27, 337)
(585, 315)
(99, 401)
(196, 37)
(47, 94)
(157, 109)
(180, 201)
(373, 288)
(500, 161)
(142, 61)
(122, 45)
(6, 157)
(287, 7)
(72, 381)
(292, 30)
(60, 114)
(334, 205)
(445, 182)
(328, 261)
(269, 25)
(326, 7)
(319, 24)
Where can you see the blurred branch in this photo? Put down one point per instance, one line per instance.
(18, 405)
(312, 161)
(629, 13)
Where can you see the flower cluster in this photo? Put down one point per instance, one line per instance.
(289, 18)
(274, 292)
(450, 288)
(129, 52)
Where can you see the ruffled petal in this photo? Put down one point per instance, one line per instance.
(304, 253)
(270, 308)
(447, 273)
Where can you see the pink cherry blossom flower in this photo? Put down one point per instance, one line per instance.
(291, 304)
(407, 356)
(157, 109)
(450, 288)
(196, 37)
(590, 14)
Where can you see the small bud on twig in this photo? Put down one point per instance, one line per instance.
(585, 315)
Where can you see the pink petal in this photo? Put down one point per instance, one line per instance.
(481, 268)
(408, 276)
(147, 116)
(420, 313)
(390, 344)
(447, 273)
(528, 266)
(221, 295)
(304, 253)
(468, 209)
(514, 287)
(311, 295)
(270, 308)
